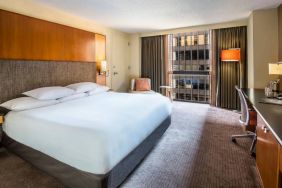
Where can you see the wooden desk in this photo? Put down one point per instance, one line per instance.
(269, 138)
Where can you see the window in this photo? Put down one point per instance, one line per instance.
(190, 75)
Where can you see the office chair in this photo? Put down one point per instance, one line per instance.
(245, 122)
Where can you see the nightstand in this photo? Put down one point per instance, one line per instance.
(1, 131)
(1, 119)
(101, 79)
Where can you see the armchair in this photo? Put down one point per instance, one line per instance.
(140, 85)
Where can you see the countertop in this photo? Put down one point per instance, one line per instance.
(270, 113)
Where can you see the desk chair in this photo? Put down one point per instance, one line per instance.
(245, 122)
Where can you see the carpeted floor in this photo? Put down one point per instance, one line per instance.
(196, 151)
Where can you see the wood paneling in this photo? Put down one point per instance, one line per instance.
(27, 38)
(280, 166)
(100, 49)
(267, 156)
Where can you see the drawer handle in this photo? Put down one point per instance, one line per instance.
(266, 129)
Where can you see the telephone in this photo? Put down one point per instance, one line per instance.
(279, 96)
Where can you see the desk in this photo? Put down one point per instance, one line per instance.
(270, 113)
(269, 138)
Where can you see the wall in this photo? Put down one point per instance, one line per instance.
(280, 37)
(115, 39)
(262, 47)
(250, 51)
(135, 56)
(135, 40)
(280, 31)
(236, 23)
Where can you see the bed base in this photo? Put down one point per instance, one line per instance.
(72, 177)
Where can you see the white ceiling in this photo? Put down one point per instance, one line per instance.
(150, 15)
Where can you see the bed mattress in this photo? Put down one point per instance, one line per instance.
(93, 133)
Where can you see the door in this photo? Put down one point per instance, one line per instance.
(120, 62)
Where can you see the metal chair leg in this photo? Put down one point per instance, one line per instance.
(252, 149)
(248, 135)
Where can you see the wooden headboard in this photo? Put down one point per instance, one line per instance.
(37, 53)
(27, 38)
(18, 76)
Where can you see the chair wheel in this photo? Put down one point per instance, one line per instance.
(234, 140)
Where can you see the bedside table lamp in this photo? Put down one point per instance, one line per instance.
(101, 75)
(275, 68)
(1, 119)
(103, 67)
(233, 54)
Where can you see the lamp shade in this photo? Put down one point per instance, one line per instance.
(275, 68)
(104, 66)
(231, 55)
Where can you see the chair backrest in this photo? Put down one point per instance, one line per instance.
(245, 116)
(132, 83)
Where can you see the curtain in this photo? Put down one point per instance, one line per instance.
(225, 75)
(154, 61)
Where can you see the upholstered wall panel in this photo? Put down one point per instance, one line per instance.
(19, 76)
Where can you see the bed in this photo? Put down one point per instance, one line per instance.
(94, 141)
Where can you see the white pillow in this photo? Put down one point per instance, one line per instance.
(72, 97)
(25, 103)
(99, 89)
(83, 87)
(49, 93)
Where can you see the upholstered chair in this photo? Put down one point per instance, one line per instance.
(140, 85)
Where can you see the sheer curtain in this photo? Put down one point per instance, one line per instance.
(224, 75)
(154, 60)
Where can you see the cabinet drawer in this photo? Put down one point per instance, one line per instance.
(267, 152)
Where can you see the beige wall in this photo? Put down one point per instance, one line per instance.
(280, 31)
(236, 23)
(262, 46)
(135, 55)
(250, 52)
(280, 37)
(117, 42)
(135, 40)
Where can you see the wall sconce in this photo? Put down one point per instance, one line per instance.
(103, 68)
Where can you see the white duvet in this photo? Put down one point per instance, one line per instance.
(93, 133)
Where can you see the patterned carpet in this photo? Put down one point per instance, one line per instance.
(196, 151)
